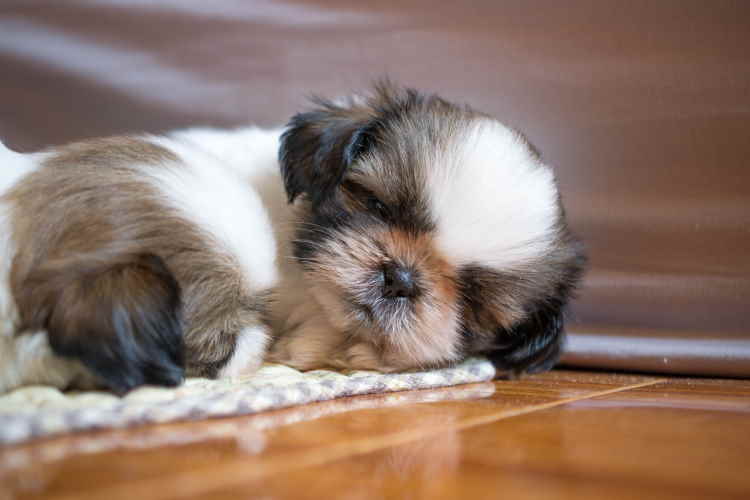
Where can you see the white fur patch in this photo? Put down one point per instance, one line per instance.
(7, 305)
(13, 166)
(248, 352)
(213, 196)
(252, 153)
(495, 204)
(28, 359)
(246, 150)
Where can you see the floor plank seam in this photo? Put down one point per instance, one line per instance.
(544, 406)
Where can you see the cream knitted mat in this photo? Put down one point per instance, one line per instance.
(33, 412)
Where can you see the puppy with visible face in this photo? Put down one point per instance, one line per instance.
(390, 231)
(426, 232)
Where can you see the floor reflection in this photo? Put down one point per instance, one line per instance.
(246, 432)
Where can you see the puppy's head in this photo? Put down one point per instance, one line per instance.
(429, 231)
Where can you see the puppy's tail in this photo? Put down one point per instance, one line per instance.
(118, 315)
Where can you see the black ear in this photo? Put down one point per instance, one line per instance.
(318, 146)
(532, 346)
(120, 317)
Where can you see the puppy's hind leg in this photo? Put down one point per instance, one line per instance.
(120, 316)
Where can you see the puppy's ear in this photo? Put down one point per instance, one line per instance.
(532, 346)
(318, 146)
(120, 317)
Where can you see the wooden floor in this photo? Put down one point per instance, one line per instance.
(564, 434)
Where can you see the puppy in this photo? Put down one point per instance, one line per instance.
(423, 232)
(394, 231)
(134, 260)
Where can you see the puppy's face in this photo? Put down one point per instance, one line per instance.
(429, 232)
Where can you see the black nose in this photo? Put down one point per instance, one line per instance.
(398, 281)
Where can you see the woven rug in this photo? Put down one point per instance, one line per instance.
(34, 412)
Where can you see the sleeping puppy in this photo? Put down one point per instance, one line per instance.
(389, 231)
(423, 232)
(133, 260)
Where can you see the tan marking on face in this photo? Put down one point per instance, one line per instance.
(429, 334)
(435, 333)
(420, 252)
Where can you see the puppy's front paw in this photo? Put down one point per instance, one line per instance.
(122, 320)
(363, 356)
(295, 352)
(312, 343)
(247, 355)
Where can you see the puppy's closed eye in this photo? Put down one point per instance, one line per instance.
(364, 199)
(378, 207)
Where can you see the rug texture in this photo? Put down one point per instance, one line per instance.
(34, 412)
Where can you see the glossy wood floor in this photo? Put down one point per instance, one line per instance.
(565, 434)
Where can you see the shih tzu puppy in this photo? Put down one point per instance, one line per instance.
(389, 231)
(135, 260)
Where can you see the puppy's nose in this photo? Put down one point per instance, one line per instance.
(398, 281)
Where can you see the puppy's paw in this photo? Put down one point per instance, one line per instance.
(120, 318)
(363, 356)
(296, 352)
(247, 355)
(310, 344)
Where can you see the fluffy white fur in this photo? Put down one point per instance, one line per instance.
(13, 166)
(482, 225)
(216, 198)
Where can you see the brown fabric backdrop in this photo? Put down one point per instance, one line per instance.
(643, 107)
